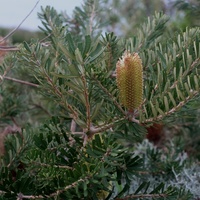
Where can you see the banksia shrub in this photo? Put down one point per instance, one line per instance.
(93, 146)
(130, 80)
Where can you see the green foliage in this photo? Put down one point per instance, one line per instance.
(124, 17)
(191, 11)
(52, 163)
(92, 148)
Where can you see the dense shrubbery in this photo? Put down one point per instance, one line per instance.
(75, 140)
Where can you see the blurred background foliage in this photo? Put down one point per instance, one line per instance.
(123, 17)
(21, 35)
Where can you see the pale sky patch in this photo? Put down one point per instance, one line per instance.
(12, 12)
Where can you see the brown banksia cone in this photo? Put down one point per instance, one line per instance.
(129, 74)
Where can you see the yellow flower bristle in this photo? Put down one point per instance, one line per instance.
(129, 73)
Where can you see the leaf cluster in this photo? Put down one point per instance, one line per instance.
(53, 163)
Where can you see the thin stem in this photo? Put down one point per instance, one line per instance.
(6, 71)
(42, 40)
(5, 48)
(56, 193)
(173, 110)
(105, 127)
(136, 196)
(177, 81)
(49, 165)
(73, 126)
(20, 81)
(87, 103)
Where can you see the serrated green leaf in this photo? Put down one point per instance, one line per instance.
(167, 85)
(96, 109)
(172, 99)
(81, 123)
(153, 109)
(48, 64)
(159, 78)
(26, 59)
(175, 73)
(87, 44)
(163, 61)
(145, 111)
(196, 83)
(126, 188)
(85, 189)
(160, 111)
(70, 43)
(181, 72)
(188, 80)
(158, 188)
(91, 59)
(68, 54)
(78, 56)
(195, 49)
(73, 70)
(74, 87)
(37, 47)
(166, 103)
(141, 115)
(27, 47)
(180, 94)
(187, 88)
(142, 186)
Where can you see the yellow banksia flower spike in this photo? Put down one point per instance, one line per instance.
(129, 74)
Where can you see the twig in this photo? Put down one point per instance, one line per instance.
(136, 196)
(173, 110)
(94, 130)
(56, 193)
(5, 48)
(55, 166)
(13, 31)
(73, 126)
(20, 81)
(43, 39)
(87, 103)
